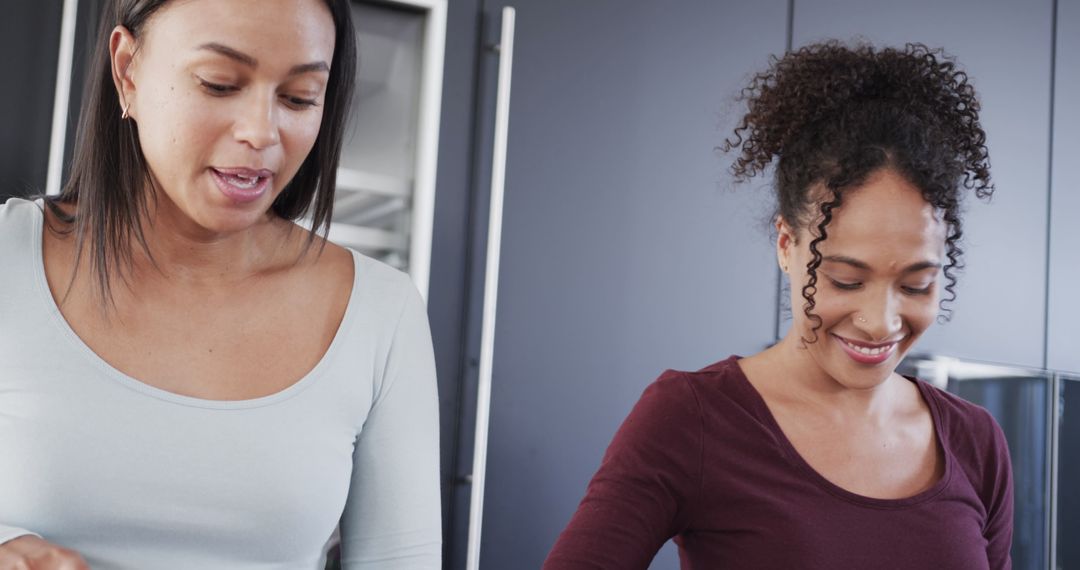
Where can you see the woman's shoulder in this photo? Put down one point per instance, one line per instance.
(972, 436)
(382, 285)
(720, 384)
(959, 417)
(342, 265)
(724, 377)
(19, 210)
(22, 219)
(375, 274)
(379, 291)
(18, 218)
(721, 371)
(339, 259)
(19, 235)
(977, 444)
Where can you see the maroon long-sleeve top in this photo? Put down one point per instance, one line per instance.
(701, 459)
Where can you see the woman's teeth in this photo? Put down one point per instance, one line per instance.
(868, 351)
(243, 181)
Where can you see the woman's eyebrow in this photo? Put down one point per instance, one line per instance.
(239, 56)
(231, 53)
(922, 266)
(309, 67)
(913, 268)
(847, 261)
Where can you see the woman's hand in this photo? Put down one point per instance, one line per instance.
(33, 553)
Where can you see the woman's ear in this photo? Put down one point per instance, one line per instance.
(122, 48)
(785, 244)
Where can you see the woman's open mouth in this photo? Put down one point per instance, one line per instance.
(242, 185)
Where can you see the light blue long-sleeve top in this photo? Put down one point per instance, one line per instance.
(135, 477)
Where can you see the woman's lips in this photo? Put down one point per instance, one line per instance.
(242, 185)
(867, 353)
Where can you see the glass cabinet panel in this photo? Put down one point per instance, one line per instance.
(373, 205)
(382, 135)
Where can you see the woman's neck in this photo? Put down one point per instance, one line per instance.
(187, 254)
(789, 372)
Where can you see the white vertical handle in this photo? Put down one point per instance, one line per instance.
(491, 288)
(61, 98)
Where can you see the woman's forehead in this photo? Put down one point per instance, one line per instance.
(887, 214)
(280, 30)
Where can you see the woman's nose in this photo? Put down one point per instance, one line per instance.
(257, 123)
(881, 319)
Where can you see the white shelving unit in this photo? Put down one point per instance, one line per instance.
(385, 199)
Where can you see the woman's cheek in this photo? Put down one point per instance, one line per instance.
(308, 131)
(299, 136)
(832, 307)
(182, 119)
(923, 314)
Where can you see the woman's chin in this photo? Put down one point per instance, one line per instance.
(854, 375)
(222, 221)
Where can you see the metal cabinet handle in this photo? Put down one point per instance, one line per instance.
(61, 98)
(491, 288)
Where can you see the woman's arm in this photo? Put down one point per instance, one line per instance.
(392, 518)
(646, 486)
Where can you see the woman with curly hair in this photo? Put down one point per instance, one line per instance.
(815, 453)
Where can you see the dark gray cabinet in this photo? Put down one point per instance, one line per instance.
(1063, 340)
(29, 46)
(1006, 49)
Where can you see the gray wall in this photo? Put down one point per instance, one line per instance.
(1063, 342)
(625, 251)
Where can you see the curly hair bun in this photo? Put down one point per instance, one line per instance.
(831, 115)
(809, 92)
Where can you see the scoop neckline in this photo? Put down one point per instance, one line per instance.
(793, 455)
(130, 382)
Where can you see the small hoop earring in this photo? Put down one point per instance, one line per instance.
(124, 116)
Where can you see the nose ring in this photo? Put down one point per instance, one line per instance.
(861, 319)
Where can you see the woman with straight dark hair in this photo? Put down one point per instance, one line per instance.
(189, 379)
(815, 454)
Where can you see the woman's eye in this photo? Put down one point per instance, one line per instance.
(216, 89)
(918, 290)
(299, 102)
(845, 286)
